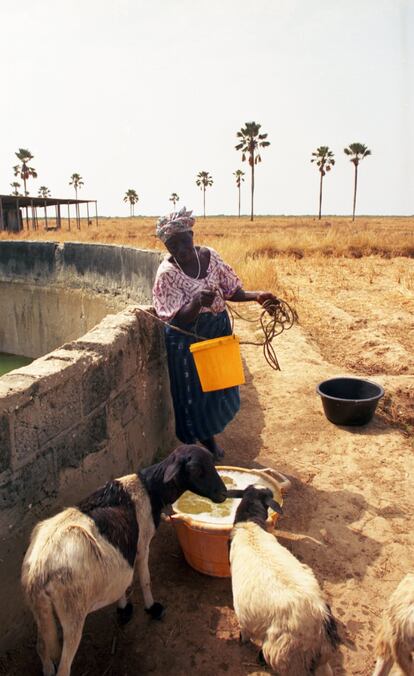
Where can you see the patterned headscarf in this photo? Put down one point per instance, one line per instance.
(178, 221)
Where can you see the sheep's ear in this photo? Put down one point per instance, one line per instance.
(275, 506)
(172, 469)
(235, 492)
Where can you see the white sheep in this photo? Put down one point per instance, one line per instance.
(83, 558)
(395, 640)
(276, 598)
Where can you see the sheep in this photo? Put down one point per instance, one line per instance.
(83, 558)
(276, 598)
(395, 640)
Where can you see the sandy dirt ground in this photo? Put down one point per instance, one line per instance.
(349, 513)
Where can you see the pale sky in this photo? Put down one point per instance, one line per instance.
(145, 94)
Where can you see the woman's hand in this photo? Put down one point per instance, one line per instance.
(189, 312)
(266, 298)
(205, 298)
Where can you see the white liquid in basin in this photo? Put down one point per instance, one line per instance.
(203, 509)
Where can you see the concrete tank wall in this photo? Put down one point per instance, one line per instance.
(51, 293)
(93, 409)
(37, 319)
(100, 268)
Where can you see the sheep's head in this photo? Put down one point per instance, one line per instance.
(192, 468)
(255, 504)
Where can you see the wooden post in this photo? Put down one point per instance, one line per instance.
(87, 212)
(59, 220)
(17, 216)
(96, 213)
(77, 216)
(68, 216)
(2, 223)
(45, 216)
(33, 221)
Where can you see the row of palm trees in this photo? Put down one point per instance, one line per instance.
(250, 141)
(25, 172)
(131, 196)
(324, 159)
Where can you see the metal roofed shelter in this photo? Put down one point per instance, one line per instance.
(11, 216)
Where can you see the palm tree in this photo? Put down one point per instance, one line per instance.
(239, 179)
(357, 151)
(131, 196)
(23, 170)
(324, 159)
(251, 141)
(204, 180)
(15, 187)
(44, 192)
(174, 198)
(77, 182)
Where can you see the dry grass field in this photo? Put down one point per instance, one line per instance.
(350, 512)
(352, 284)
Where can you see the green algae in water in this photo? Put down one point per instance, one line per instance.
(9, 362)
(204, 510)
(190, 503)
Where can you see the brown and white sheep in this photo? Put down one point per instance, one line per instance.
(83, 558)
(276, 598)
(395, 640)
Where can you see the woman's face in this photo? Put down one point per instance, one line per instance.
(181, 246)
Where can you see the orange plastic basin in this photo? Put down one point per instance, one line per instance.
(204, 544)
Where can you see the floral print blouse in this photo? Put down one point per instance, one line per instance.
(173, 288)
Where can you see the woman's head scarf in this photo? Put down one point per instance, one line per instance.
(176, 222)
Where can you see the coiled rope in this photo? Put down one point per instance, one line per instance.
(273, 320)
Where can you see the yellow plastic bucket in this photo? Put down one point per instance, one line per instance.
(218, 363)
(206, 545)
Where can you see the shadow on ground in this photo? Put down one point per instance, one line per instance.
(200, 631)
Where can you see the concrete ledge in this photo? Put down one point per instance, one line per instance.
(101, 268)
(36, 260)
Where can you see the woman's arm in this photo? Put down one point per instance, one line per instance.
(231, 286)
(242, 296)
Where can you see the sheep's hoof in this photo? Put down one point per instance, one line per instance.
(125, 614)
(261, 659)
(157, 611)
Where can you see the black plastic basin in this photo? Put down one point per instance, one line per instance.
(349, 401)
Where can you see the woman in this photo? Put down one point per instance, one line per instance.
(190, 290)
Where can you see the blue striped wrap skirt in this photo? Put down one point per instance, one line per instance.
(198, 415)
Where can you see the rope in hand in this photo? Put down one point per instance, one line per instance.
(273, 319)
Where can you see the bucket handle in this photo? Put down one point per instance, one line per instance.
(282, 480)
